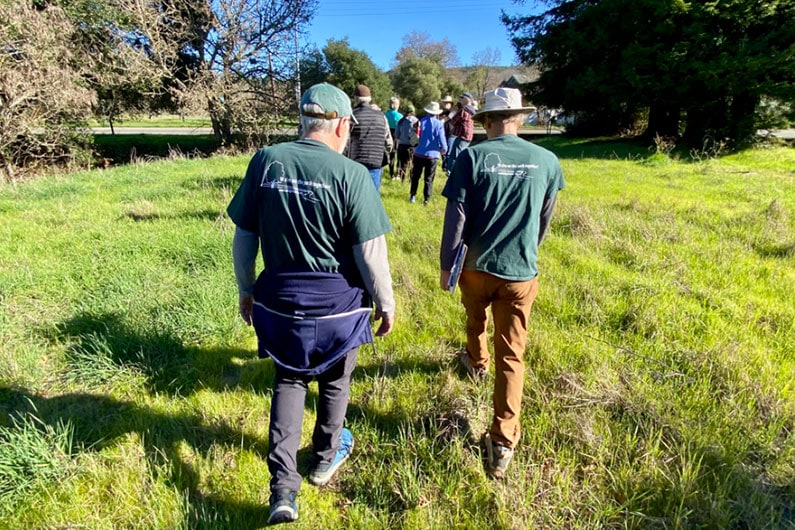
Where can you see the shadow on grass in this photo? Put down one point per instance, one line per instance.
(171, 368)
(566, 147)
(167, 365)
(122, 149)
(99, 421)
(198, 215)
(775, 250)
(125, 148)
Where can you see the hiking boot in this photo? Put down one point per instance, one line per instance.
(283, 506)
(497, 458)
(323, 472)
(470, 369)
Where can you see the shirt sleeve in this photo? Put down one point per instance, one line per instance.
(388, 143)
(243, 207)
(245, 246)
(452, 233)
(373, 264)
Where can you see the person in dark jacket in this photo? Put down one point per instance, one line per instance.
(407, 135)
(370, 136)
(321, 228)
(462, 129)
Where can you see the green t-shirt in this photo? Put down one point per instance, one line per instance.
(504, 182)
(309, 205)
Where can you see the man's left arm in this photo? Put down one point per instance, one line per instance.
(388, 143)
(373, 264)
(548, 206)
(546, 216)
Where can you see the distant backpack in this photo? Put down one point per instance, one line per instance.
(414, 135)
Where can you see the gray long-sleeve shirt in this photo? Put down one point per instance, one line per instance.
(371, 260)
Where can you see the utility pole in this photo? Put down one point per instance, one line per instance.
(297, 70)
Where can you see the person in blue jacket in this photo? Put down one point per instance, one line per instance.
(320, 225)
(431, 146)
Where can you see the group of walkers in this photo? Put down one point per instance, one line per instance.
(404, 141)
(320, 224)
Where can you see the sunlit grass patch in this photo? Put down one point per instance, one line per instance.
(658, 390)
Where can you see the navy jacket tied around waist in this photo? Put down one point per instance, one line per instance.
(307, 321)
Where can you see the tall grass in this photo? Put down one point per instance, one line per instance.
(659, 389)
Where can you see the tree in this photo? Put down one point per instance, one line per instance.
(314, 68)
(347, 68)
(418, 81)
(480, 78)
(238, 56)
(42, 99)
(704, 65)
(122, 52)
(418, 45)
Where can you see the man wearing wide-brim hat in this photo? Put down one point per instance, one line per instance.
(500, 198)
(431, 146)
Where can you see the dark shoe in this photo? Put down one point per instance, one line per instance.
(497, 458)
(469, 369)
(283, 506)
(323, 472)
(425, 202)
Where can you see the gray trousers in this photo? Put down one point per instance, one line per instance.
(458, 144)
(287, 414)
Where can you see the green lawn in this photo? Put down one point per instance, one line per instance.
(659, 391)
(161, 120)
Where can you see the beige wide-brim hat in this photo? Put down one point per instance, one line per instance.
(505, 100)
(433, 108)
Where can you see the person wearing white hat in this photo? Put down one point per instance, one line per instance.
(431, 146)
(500, 198)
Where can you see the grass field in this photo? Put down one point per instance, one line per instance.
(161, 120)
(659, 392)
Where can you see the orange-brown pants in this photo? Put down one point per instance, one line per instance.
(510, 305)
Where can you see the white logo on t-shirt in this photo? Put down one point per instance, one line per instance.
(274, 178)
(493, 164)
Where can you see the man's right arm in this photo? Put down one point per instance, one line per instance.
(452, 236)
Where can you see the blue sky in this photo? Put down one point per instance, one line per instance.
(378, 27)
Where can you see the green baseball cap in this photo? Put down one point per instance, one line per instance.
(334, 102)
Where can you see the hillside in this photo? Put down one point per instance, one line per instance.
(497, 74)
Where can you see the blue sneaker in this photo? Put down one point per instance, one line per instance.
(283, 506)
(321, 475)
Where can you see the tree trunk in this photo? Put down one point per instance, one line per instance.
(663, 121)
(220, 117)
(741, 125)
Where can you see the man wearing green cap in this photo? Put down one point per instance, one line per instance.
(316, 217)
